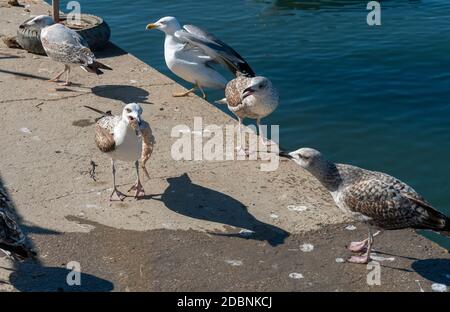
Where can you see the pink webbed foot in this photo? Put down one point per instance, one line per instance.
(363, 259)
(116, 195)
(138, 190)
(358, 246)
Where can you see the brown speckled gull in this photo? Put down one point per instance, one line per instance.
(250, 97)
(126, 138)
(12, 239)
(66, 46)
(375, 198)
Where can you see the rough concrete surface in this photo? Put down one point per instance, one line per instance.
(181, 235)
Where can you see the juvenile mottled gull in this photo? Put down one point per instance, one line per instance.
(375, 198)
(126, 138)
(12, 239)
(190, 53)
(66, 46)
(250, 97)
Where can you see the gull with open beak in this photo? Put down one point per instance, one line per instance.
(191, 52)
(120, 137)
(250, 97)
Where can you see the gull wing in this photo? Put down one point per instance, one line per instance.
(217, 50)
(66, 45)
(391, 204)
(104, 133)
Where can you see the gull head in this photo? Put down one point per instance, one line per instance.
(168, 25)
(258, 87)
(132, 114)
(39, 22)
(308, 158)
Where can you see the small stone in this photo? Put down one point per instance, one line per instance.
(296, 275)
(439, 287)
(246, 233)
(25, 130)
(307, 247)
(274, 216)
(234, 262)
(340, 260)
(297, 208)
(350, 227)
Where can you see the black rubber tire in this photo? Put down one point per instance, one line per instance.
(29, 40)
(97, 34)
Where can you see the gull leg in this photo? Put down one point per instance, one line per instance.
(116, 194)
(262, 139)
(138, 186)
(55, 79)
(240, 149)
(365, 258)
(67, 82)
(203, 92)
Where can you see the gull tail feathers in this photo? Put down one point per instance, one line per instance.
(107, 113)
(95, 68)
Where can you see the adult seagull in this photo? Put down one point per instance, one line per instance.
(190, 52)
(66, 46)
(375, 198)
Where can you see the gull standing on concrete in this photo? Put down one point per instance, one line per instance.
(12, 239)
(191, 52)
(250, 97)
(126, 138)
(375, 198)
(66, 46)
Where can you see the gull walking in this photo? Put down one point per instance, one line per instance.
(191, 52)
(375, 198)
(66, 46)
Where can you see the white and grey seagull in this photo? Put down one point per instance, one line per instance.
(191, 52)
(375, 198)
(250, 97)
(127, 138)
(66, 46)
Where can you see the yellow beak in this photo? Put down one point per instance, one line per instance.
(151, 26)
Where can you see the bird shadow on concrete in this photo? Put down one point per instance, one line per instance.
(123, 93)
(23, 75)
(434, 270)
(32, 275)
(199, 202)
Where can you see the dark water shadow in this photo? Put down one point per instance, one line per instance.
(435, 270)
(32, 275)
(195, 201)
(123, 93)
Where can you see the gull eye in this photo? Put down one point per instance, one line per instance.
(128, 110)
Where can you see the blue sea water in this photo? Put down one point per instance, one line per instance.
(377, 97)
